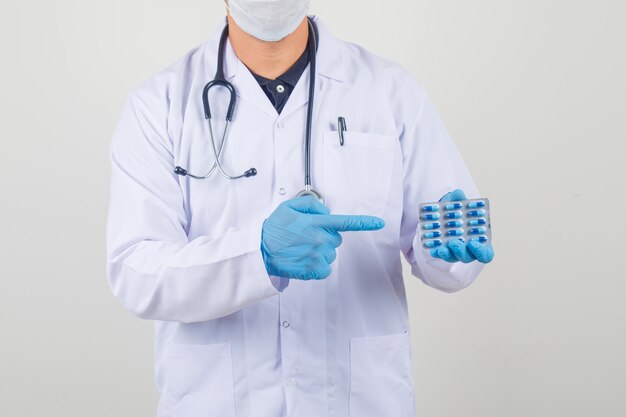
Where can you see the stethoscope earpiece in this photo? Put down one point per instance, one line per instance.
(180, 171)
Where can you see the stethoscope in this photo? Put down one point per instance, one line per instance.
(220, 80)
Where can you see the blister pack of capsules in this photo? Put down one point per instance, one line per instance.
(445, 220)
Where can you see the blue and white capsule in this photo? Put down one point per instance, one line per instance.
(430, 216)
(432, 243)
(454, 215)
(431, 207)
(475, 204)
(477, 231)
(455, 232)
(481, 239)
(454, 206)
(455, 223)
(431, 235)
(477, 222)
(476, 213)
(431, 226)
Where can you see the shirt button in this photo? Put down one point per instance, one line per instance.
(280, 88)
(280, 125)
(282, 191)
(286, 324)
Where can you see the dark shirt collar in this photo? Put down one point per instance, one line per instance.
(292, 75)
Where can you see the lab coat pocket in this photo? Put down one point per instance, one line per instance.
(357, 175)
(198, 381)
(380, 376)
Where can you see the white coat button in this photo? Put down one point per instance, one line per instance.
(280, 88)
(282, 191)
(286, 324)
(290, 382)
(280, 125)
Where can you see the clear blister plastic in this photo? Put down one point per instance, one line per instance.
(445, 220)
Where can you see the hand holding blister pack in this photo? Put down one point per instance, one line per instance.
(457, 228)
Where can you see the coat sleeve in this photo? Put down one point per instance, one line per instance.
(152, 267)
(432, 168)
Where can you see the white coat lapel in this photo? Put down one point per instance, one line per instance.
(329, 64)
(246, 86)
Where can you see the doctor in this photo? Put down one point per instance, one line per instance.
(267, 305)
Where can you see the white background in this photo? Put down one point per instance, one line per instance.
(534, 94)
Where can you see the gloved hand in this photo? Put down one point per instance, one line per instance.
(299, 238)
(455, 250)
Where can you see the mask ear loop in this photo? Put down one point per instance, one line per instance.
(237, 6)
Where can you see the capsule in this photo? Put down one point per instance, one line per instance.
(476, 213)
(432, 243)
(476, 231)
(454, 206)
(431, 226)
(430, 235)
(454, 215)
(455, 223)
(455, 232)
(432, 207)
(475, 204)
(430, 216)
(481, 239)
(477, 222)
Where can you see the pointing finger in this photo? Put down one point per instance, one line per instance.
(347, 223)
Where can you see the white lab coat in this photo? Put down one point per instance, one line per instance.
(230, 340)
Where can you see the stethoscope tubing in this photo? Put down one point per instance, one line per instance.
(309, 114)
(220, 80)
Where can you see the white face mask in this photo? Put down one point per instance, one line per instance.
(268, 20)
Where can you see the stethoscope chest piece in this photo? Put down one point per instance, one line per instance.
(311, 192)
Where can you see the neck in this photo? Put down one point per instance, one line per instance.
(268, 59)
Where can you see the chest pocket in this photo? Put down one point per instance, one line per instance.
(357, 175)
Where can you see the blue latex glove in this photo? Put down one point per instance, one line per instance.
(455, 250)
(299, 238)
